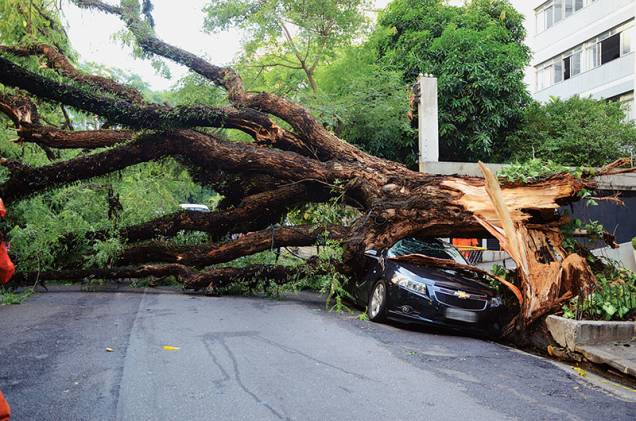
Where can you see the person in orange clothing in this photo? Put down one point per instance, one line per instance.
(6, 272)
(465, 244)
(7, 268)
(5, 410)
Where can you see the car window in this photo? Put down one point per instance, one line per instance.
(429, 247)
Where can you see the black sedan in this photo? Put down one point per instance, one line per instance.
(450, 297)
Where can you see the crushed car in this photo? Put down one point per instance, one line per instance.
(428, 281)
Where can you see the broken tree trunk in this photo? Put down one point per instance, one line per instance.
(284, 167)
(548, 275)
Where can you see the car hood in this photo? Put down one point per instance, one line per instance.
(450, 278)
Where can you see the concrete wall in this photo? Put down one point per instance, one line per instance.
(625, 182)
(625, 254)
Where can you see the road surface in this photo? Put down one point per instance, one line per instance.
(262, 359)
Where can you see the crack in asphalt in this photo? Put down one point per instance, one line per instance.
(226, 377)
(309, 357)
(220, 339)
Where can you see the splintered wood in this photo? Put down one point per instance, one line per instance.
(547, 273)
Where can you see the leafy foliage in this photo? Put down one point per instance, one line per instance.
(366, 104)
(327, 280)
(47, 231)
(593, 231)
(34, 21)
(296, 36)
(576, 131)
(478, 56)
(331, 212)
(533, 170)
(613, 297)
(8, 297)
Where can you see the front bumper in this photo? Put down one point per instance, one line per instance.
(407, 306)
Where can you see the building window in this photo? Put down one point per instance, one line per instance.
(558, 71)
(610, 48)
(627, 103)
(575, 63)
(600, 50)
(553, 11)
(568, 9)
(579, 4)
(593, 56)
(627, 38)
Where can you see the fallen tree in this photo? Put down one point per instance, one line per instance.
(287, 164)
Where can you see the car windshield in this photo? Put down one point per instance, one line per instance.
(430, 247)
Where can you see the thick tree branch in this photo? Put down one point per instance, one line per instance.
(63, 139)
(20, 109)
(129, 114)
(246, 245)
(152, 116)
(27, 180)
(212, 279)
(253, 213)
(315, 137)
(62, 65)
(197, 150)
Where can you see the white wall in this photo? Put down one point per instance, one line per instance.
(610, 79)
(581, 26)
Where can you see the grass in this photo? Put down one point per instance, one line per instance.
(11, 297)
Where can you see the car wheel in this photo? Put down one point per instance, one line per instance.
(376, 309)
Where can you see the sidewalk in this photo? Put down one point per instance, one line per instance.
(619, 355)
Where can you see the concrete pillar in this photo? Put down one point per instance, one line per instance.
(428, 120)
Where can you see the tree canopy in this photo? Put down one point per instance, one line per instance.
(478, 56)
(367, 104)
(288, 34)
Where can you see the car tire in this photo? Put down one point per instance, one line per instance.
(376, 306)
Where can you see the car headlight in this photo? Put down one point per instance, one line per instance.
(404, 282)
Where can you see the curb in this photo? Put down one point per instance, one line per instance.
(600, 342)
(572, 333)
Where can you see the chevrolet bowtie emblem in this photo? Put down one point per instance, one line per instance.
(461, 294)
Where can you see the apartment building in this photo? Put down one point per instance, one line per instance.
(581, 47)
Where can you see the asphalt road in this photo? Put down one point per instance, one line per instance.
(262, 359)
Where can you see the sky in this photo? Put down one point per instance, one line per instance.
(178, 22)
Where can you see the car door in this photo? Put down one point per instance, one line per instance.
(372, 271)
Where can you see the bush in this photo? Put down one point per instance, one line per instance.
(576, 131)
(612, 298)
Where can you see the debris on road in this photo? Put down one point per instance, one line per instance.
(170, 348)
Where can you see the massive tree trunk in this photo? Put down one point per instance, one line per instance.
(261, 181)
